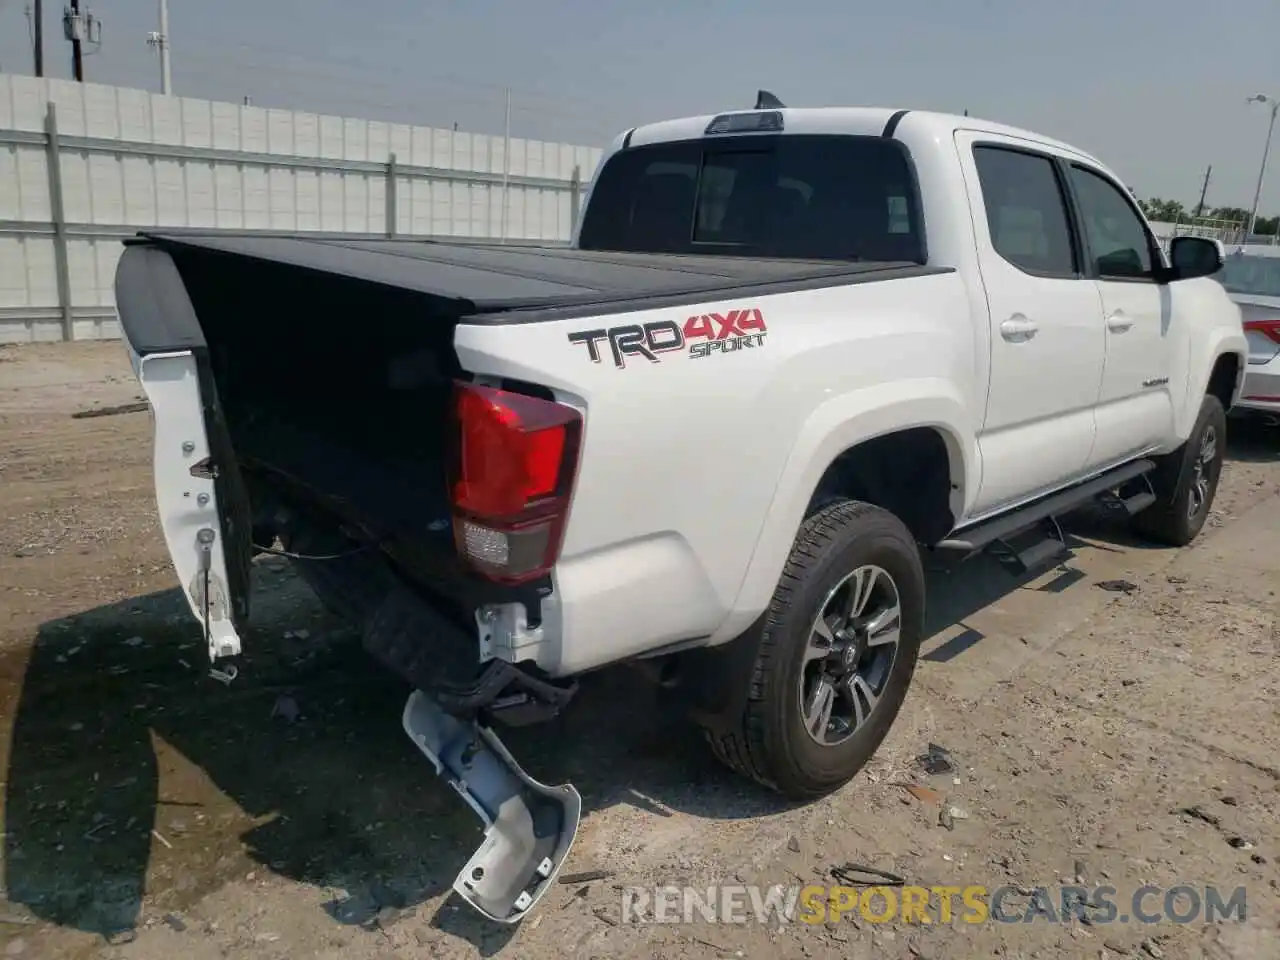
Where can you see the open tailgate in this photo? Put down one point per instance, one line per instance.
(203, 506)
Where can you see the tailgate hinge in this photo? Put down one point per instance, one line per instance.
(204, 469)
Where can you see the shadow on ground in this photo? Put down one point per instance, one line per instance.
(1251, 439)
(115, 703)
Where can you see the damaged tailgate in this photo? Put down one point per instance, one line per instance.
(203, 506)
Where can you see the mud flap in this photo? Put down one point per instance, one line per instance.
(187, 495)
(529, 827)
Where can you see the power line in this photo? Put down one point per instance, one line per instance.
(382, 68)
(363, 92)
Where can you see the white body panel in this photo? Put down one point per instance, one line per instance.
(656, 553)
(1135, 406)
(188, 505)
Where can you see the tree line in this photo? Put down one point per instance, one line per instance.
(1172, 211)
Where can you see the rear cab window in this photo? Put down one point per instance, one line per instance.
(788, 196)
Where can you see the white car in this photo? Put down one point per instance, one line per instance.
(1251, 275)
(789, 351)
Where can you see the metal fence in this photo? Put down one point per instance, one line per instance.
(1230, 232)
(84, 165)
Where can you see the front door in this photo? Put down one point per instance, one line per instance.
(1135, 405)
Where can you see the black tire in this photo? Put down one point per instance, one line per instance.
(1182, 503)
(768, 742)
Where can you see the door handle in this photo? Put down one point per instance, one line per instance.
(1018, 329)
(1119, 322)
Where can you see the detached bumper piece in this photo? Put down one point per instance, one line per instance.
(529, 827)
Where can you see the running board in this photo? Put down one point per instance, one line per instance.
(1123, 504)
(529, 827)
(995, 535)
(1041, 550)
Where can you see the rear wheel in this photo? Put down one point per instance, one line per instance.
(836, 654)
(1187, 480)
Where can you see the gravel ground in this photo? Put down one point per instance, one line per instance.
(152, 813)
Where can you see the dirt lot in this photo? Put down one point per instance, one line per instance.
(151, 812)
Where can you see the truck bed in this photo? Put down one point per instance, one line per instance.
(515, 283)
(328, 364)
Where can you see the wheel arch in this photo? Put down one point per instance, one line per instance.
(1217, 364)
(909, 422)
(910, 472)
(1226, 378)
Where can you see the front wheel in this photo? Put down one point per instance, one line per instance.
(1187, 481)
(837, 650)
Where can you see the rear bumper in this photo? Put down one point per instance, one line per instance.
(410, 637)
(1261, 389)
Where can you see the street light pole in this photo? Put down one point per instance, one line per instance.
(1266, 150)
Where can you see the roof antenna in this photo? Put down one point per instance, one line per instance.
(767, 101)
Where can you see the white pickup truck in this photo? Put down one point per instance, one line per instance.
(788, 351)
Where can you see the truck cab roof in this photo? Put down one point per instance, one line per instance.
(851, 121)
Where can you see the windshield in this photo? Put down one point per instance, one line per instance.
(788, 196)
(1258, 276)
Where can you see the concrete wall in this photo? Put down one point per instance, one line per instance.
(121, 160)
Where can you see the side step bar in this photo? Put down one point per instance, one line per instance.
(998, 535)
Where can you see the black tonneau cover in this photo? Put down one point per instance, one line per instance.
(519, 283)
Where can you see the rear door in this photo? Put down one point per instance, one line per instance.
(1135, 403)
(1047, 338)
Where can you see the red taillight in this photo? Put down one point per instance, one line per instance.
(1268, 328)
(511, 480)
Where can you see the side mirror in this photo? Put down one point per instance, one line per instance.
(1192, 257)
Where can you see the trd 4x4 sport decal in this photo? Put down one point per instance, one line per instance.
(703, 335)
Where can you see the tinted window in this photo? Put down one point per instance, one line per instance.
(1119, 244)
(1258, 276)
(793, 196)
(1026, 213)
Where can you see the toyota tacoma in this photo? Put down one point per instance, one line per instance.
(787, 352)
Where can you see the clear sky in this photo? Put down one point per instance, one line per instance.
(1156, 88)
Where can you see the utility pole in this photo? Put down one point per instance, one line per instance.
(506, 165)
(159, 39)
(1204, 189)
(1266, 150)
(74, 34)
(80, 28)
(37, 36)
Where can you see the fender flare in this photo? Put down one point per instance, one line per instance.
(836, 426)
(1220, 344)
